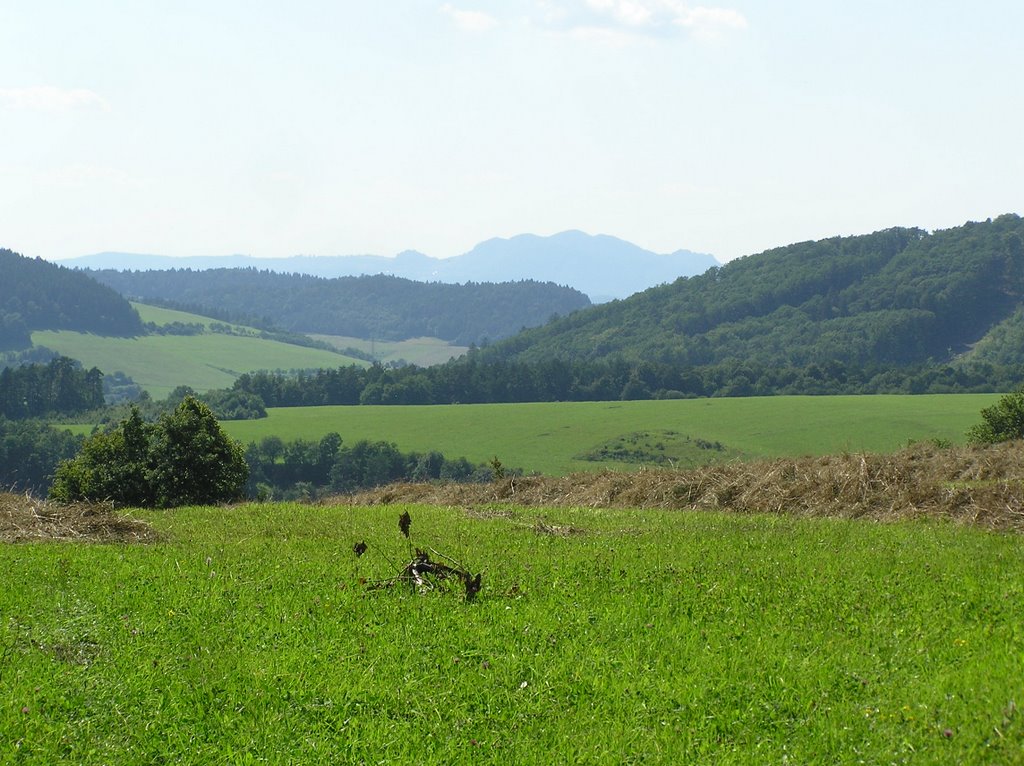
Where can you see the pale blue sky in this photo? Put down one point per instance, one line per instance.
(330, 128)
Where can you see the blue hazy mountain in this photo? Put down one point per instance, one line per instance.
(601, 266)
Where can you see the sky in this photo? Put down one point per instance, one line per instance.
(349, 127)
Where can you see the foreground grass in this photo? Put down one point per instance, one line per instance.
(554, 437)
(599, 637)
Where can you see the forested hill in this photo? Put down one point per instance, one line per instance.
(381, 307)
(895, 297)
(37, 295)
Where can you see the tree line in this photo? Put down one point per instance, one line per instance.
(61, 387)
(302, 468)
(379, 306)
(39, 295)
(178, 454)
(473, 381)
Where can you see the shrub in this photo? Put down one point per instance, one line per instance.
(1003, 421)
(183, 459)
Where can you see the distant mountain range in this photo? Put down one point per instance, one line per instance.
(601, 266)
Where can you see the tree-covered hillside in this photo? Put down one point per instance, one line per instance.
(37, 295)
(383, 307)
(895, 297)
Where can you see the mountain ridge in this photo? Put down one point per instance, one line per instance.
(600, 265)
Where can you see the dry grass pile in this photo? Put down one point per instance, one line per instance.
(975, 485)
(25, 519)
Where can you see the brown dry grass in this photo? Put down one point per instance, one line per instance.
(982, 486)
(25, 519)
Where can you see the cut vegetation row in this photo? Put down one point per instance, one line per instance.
(981, 486)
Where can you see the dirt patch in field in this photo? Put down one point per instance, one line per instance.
(25, 519)
(982, 486)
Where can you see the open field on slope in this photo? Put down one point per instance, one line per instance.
(161, 316)
(160, 363)
(551, 438)
(420, 351)
(245, 635)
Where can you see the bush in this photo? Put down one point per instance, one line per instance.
(183, 459)
(1003, 421)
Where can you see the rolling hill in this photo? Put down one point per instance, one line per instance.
(207, 360)
(380, 307)
(896, 297)
(37, 295)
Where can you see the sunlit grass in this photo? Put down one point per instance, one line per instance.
(599, 637)
(552, 437)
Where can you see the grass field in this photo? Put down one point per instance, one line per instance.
(604, 637)
(419, 351)
(161, 316)
(552, 438)
(160, 363)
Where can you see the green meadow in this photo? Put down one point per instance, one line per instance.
(250, 635)
(559, 437)
(160, 363)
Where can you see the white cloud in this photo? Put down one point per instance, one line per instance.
(47, 98)
(550, 13)
(632, 13)
(618, 22)
(469, 21)
(606, 36)
(711, 22)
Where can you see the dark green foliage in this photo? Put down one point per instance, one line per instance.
(383, 307)
(61, 387)
(38, 295)
(14, 333)
(183, 459)
(896, 297)
(119, 388)
(115, 466)
(469, 380)
(1003, 421)
(234, 405)
(193, 461)
(306, 468)
(30, 452)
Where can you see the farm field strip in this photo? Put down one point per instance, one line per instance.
(160, 363)
(548, 437)
(600, 636)
(419, 351)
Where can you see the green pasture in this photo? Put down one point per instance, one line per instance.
(552, 438)
(161, 316)
(249, 635)
(419, 351)
(160, 363)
